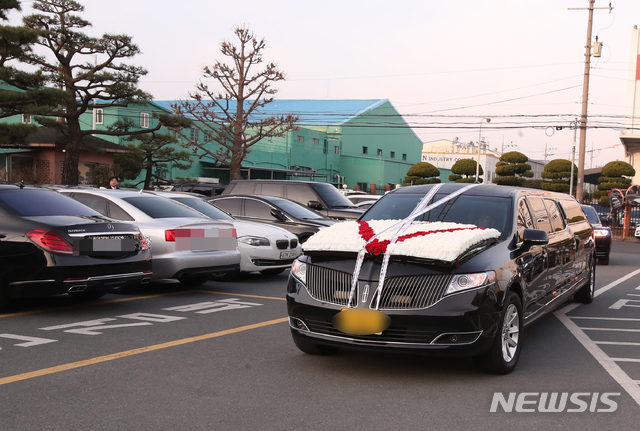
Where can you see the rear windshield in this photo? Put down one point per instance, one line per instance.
(592, 215)
(157, 207)
(483, 211)
(331, 196)
(296, 210)
(34, 203)
(204, 207)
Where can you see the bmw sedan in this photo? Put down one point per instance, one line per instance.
(51, 244)
(186, 246)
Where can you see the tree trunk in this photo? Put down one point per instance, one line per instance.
(72, 153)
(149, 168)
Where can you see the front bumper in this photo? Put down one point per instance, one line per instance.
(462, 324)
(263, 258)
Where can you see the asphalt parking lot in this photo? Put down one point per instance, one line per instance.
(220, 357)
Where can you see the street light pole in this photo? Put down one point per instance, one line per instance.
(479, 140)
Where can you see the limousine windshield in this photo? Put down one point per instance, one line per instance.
(482, 211)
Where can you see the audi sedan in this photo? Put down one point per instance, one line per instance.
(51, 244)
(263, 248)
(185, 245)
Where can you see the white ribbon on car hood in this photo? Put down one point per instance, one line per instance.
(403, 226)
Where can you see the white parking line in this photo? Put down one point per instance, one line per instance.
(609, 364)
(610, 329)
(615, 283)
(626, 319)
(617, 343)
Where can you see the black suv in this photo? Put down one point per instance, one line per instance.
(446, 269)
(206, 189)
(321, 197)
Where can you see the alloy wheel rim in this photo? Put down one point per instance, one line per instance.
(510, 333)
(592, 280)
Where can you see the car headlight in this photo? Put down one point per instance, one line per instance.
(299, 270)
(470, 281)
(255, 241)
(601, 232)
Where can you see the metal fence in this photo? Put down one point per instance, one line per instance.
(615, 219)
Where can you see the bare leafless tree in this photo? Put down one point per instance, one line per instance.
(233, 117)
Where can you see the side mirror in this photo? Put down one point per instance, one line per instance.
(314, 205)
(278, 214)
(533, 237)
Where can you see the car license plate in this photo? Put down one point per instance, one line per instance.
(638, 231)
(289, 254)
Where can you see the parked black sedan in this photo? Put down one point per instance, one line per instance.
(289, 215)
(602, 234)
(51, 244)
(446, 269)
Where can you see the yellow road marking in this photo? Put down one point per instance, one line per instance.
(79, 364)
(241, 294)
(90, 304)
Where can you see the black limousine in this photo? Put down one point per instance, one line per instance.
(447, 269)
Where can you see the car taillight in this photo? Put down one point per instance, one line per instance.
(50, 241)
(144, 244)
(170, 235)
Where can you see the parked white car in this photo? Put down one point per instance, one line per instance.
(264, 248)
(184, 244)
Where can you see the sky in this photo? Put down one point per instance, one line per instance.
(444, 65)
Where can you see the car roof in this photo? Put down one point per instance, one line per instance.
(118, 193)
(483, 190)
(274, 199)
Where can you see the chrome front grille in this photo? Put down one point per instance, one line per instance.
(328, 285)
(414, 291)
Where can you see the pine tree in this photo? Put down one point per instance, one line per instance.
(90, 72)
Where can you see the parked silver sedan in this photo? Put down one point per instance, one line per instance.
(184, 244)
(264, 248)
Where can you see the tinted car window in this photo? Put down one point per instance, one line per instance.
(297, 210)
(33, 203)
(271, 189)
(97, 203)
(244, 188)
(160, 207)
(483, 211)
(300, 193)
(257, 209)
(540, 215)
(592, 215)
(525, 221)
(231, 205)
(573, 211)
(118, 213)
(331, 196)
(204, 207)
(557, 221)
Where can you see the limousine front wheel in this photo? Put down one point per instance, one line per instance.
(505, 350)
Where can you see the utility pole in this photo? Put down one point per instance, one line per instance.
(573, 155)
(585, 99)
(547, 153)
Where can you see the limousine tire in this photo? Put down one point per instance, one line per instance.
(503, 355)
(587, 292)
(313, 348)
